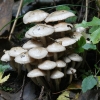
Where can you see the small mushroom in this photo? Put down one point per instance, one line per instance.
(31, 43)
(70, 72)
(56, 74)
(54, 48)
(36, 75)
(75, 58)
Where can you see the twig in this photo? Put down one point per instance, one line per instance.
(14, 24)
(41, 93)
(21, 95)
(86, 13)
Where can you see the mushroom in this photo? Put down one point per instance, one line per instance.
(15, 51)
(56, 74)
(34, 16)
(54, 48)
(71, 71)
(67, 60)
(38, 53)
(36, 75)
(24, 59)
(75, 58)
(62, 27)
(60, 64)
(7, 58)
(41, 30)
(31, 43)
(47, 65)
(59, 15)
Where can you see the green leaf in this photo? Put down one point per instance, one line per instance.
(88, 46)
(62, 7)
(71, 19)
(3, 67)
(91, 30)
(95, 36)
(80, 43)
(95, 22)
(88, 83)
(27, 2)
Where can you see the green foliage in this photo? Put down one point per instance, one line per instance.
(4, 88)
(3, 67)
(94, 30)
(88, 83)
(80, 43)
(89, 46)
(62, 7)
(71, 19)
(27, 2)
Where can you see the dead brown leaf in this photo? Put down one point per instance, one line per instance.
(5, 14)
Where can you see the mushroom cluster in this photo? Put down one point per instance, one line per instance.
(48, 54)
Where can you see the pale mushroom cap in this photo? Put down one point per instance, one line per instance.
(56, 47)
(40, 30)
(36, 73)
(32, 43)
(23, 58)
(47, 65)
(75, 57)
(60, 64)
(77, 36)
(58, 15)
(27, 35)
(66, 41)
(6, 57)
(34, 16)
(63, 26)
(71, 71)
(56, 74)
(15, 51)
(38, 52)
(67, 60)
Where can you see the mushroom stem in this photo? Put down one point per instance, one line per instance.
(41, 82)
(71, 77)
(73, 64)
(43, 41)
(12, 64)
(57, 84)
(35, 81)
(18, 69)
(55, 57)
(28, 67)
(65, 70)
(78, 65)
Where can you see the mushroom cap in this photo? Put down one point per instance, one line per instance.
(15, 51)
(40, 30)
(66, 41)
(56, 74)
(71, 71)
(60, 64)
(36, 73)
(58, 15)
(38, 52)
(23, 58)
(75, 57)
(34, 16)
(56, 47)
(27, 35)
(76, 36)
(63, 26)
(47, 65)
(32, 43)
(6, 57)
(67, 60)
